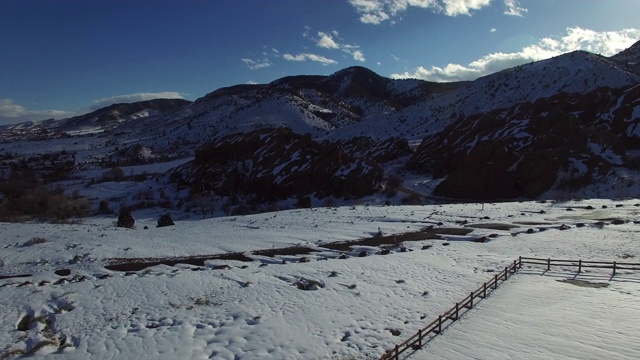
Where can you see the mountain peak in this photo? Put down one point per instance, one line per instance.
(630, 58)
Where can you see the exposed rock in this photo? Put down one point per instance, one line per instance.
(62, 272)
(564, 141)
(277, 164)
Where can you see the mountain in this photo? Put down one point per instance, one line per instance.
(566, 141)
(100, 120)
(562, 124)
(629, 58)
(112, 115)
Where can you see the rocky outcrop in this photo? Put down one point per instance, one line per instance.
(565, 140)
(379, 151)
(276, 164)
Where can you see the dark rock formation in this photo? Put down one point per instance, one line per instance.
(564, 141)
(277, 163)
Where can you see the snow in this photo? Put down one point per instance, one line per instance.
(607, 154)
(536, 316)
(253, 310)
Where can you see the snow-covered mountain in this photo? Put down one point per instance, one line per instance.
(629, 58)
(566, 142)
(389, 115)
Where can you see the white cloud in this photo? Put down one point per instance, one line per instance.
(358, 56)
(493, 30)
(326, 41)
(257, 64)
(311, 57)
(10, 109)
(11, 113)
(378, 11)
(513, 8)
(130, 98)
(606, 43)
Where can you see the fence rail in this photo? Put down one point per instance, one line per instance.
(448, 317)
(580, 264)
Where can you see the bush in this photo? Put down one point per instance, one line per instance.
(411, 200)
(104, 207)
(44, 203)
(125, 218)
(113, 174)
(304, 202)
(165, 220)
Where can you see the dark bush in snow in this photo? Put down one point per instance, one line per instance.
(165, 220)
(125, 219)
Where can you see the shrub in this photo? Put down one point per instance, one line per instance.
(304, 202)
(104, 207)
(44, 203)
(411, 200)
(113, 174)
(125, 218)
(165, 220)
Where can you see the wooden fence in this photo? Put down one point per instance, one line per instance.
(435, 327)
(580, 264)
(448, 317)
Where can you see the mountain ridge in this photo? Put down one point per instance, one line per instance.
(372, 119)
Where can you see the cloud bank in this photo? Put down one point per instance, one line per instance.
(130, 98)
(378, 11)
(606, 43)
(12, 113)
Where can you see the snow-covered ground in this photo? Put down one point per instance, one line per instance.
(540, 316)
(355, 308)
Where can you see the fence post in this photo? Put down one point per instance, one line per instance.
(439, 324)
(397, 353)
(484, 290)
(614, 268)
(420, 338)
(548, 264)
(457, 309)
(519, 262)
(471, 301)
(579, 266)
(515, 265)
(506, 273)
(495, 281)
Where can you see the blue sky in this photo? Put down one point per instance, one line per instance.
(65, 57)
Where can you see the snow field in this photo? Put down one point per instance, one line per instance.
(360, 307)
(536, 316)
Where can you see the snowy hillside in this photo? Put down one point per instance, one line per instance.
(353, 116)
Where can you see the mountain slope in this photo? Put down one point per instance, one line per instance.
(630, 58)
(566, 141)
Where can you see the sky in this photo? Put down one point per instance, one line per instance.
(62, 58)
